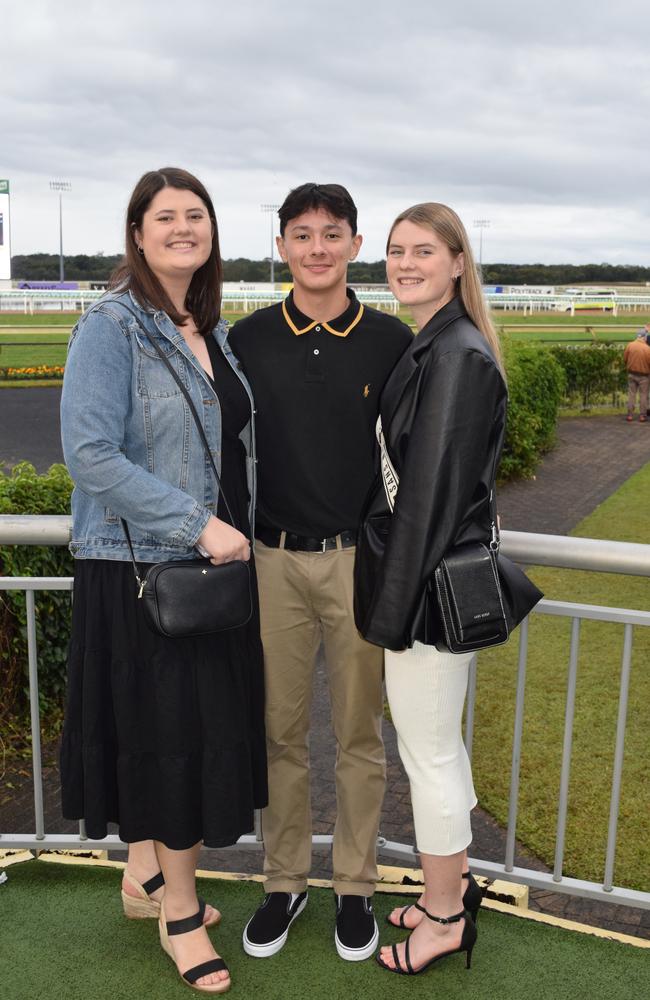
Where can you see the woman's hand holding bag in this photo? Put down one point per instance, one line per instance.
(222, 543)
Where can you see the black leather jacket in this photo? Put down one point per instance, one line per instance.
(443, 413)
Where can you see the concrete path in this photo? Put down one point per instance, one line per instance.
(592, 458)
(30, 427)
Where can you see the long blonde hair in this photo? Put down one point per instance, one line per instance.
(447, 225)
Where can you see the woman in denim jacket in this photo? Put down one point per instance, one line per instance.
(163, 736)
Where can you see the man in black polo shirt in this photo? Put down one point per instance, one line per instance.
(317, 363)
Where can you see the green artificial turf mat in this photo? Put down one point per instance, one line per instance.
(63, 937)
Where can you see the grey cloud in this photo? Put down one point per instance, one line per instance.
(482, 105)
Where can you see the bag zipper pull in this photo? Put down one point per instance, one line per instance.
(143, 584)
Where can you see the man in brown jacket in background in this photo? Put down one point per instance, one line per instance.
(637, 362)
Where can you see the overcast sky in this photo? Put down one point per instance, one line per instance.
(534, 116)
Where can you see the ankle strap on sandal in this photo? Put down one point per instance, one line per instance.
(154, 883)
(443, 920)
(187, 924)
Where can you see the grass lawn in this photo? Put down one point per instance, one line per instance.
(509, 317)
(43, 346)
(21, 350)
(562, 328)
(624, 517)
(65, 938)
(16, 320)
(42, 339)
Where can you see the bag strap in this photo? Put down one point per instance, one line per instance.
(199, 427)
(140, 580)
(495, 541)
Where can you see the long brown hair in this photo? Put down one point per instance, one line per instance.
(203, 300)
(449, 228)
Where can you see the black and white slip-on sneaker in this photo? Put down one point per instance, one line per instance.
(267, 930)
(357, 934)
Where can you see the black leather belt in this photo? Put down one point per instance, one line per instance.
(276, 539)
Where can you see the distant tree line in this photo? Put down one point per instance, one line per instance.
(83, 267)
(45, 267)
(564, 274)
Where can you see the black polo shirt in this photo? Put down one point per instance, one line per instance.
(316, 387)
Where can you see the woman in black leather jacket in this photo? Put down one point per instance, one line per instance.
(442, 420)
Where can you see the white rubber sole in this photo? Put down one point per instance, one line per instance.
(272, 947)
(357, 954)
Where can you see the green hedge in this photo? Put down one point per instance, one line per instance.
(591, 371)
(23, 491)
(536, 383)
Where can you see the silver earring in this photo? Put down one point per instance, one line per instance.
(141, 251)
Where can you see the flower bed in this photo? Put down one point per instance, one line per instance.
(35, 372)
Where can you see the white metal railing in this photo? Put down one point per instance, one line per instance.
(549, 550)
(30, 301)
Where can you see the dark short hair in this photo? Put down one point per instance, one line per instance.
(332, 198)
(203, 299)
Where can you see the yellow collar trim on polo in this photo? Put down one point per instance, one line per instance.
(330, 329)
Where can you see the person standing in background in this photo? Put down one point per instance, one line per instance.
(637, 362)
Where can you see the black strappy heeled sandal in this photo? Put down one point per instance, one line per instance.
(472, 899)
(169, 928)
(467, 942)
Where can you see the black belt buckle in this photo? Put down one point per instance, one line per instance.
(298, 543)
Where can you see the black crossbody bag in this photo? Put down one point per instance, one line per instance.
(191, 597)
(477, 596)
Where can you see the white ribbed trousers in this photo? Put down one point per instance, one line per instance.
(426, 692)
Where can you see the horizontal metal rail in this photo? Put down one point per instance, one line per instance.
(522, 546)
(613, 557)
(35, 529)
(31, 300)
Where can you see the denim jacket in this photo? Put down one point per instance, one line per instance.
(130, 441)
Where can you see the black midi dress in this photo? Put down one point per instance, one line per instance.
(165, 737)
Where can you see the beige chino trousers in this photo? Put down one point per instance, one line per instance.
(306, 597)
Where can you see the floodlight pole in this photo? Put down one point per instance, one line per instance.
(60, 187)
(481, 224)
(271, 209)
